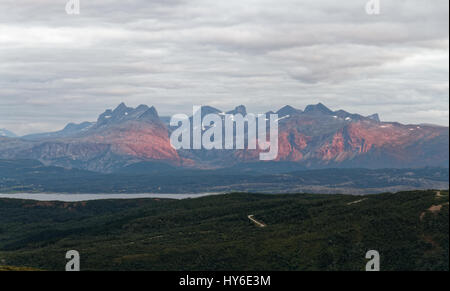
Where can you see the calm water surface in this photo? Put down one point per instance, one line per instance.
(88, 197)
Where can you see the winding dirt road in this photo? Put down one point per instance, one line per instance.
(260, 224)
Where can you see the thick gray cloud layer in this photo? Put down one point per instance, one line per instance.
(56, 68)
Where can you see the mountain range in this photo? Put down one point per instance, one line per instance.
(314, 138)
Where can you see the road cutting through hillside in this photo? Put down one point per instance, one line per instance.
(434, 208)
(252, 219)
(356, 202)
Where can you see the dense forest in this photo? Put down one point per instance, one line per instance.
(410, 230)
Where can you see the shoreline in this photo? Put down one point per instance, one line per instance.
(64, 197)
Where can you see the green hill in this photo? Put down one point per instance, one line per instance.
(302, 232)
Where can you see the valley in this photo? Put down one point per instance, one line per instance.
(29, 176)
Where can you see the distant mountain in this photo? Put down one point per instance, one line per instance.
(374, 117)
(288, 111)
(70, 130)
(6, 133)
(318, 109)
(314, 138)
(238, 110)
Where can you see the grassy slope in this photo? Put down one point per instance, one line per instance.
(304, 232)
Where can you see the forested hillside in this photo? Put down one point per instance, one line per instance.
(302, 232)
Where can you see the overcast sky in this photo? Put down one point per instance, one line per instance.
(57, 68)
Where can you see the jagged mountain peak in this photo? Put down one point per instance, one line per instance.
(149, 115)
(318, 108)
(241, 109)
(374, 117)
(122, 106)
(142, 107)
(124, 113)
(288, 110)
(356, 117)
(317, 138)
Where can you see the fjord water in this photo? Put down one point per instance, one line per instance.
(89, 197)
